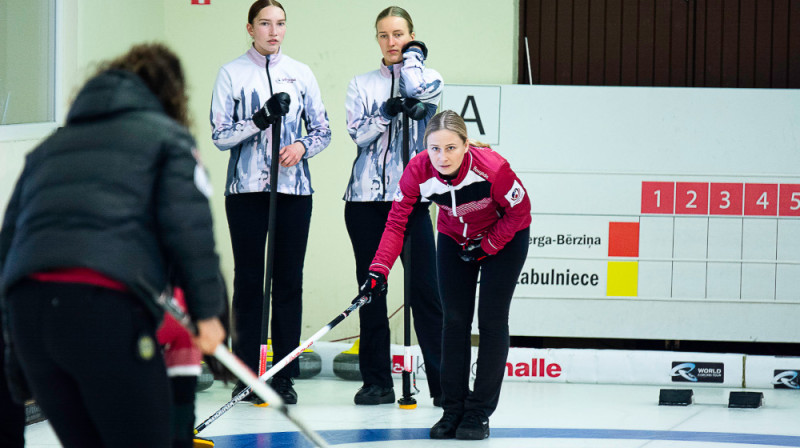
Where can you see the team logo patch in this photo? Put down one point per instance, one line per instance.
(515, 194)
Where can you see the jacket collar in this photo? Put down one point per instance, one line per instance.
(261, 60)
(386, 71)
(466, 166)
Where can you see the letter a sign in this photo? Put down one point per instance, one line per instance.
(479, 106)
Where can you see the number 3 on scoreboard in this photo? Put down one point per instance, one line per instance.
(726, 199)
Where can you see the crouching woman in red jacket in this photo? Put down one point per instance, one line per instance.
(483, 225)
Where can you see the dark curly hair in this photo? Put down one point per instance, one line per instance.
(161, 71)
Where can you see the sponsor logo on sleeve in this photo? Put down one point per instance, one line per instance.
(515, 194)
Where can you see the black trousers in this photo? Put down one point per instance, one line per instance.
(248, 219)
(365, 223)
(91, 358)
(12, 415)
(457, 285)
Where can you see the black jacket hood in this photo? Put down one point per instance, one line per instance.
(112, 92)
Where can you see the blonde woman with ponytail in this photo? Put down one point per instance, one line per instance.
(483, 225)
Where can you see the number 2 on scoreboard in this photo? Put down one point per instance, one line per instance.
(692, 198)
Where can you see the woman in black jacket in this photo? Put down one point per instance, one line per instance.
(101, 208)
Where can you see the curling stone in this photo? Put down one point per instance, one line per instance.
(345, 364)
(206, 378)
(310, 362)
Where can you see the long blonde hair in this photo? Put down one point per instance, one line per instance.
(450, 121)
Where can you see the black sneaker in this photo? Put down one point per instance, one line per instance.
(445, 428)
(250, 398)
(372, 394)
(283, 386)
(473, 426)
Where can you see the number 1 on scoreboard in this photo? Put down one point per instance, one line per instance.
(658, 197)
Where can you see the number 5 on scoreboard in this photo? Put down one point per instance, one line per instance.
(789, 200)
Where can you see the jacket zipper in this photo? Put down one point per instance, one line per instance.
(269, 78)
(455, 207)
(388, 142)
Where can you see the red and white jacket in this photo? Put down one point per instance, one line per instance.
(485, 200)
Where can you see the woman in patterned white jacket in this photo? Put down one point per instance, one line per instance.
(374, 104)
(241, 122)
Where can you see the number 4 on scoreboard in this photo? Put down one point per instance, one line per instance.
(761, 199)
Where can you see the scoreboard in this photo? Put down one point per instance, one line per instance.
(658, 213)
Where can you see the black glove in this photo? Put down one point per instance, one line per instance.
(414, 108)
(392, 107)
(374, 287)
(417, 43)
(275, 107)
(471, 251)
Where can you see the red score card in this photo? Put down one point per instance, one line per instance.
(657, 197)
(790, 200)
(726, 199)
(761, 199)
(691, 198)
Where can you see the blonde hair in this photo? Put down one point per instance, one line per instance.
(396, 11)
(450, 121)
